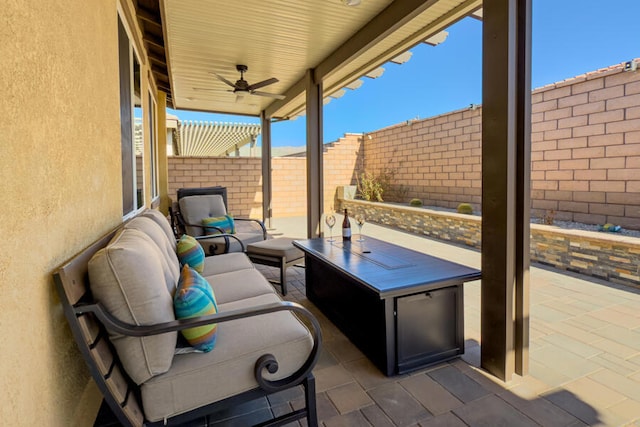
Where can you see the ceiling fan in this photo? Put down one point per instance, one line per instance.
(242, 87)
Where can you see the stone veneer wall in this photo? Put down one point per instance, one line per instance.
(606, 256)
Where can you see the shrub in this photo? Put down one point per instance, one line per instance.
(370, 188)
(549, 217)
(415, 202)
(465, 208)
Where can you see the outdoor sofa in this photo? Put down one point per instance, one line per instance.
(117, 296)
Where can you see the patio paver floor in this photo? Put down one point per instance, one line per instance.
(584, 360)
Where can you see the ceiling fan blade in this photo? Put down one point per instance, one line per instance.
(270, 95)
(263, 83)
(222, 79)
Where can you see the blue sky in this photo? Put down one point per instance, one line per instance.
(570, 37)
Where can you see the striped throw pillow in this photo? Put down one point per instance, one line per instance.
(190, 252)
(194, 297)
(224, 223)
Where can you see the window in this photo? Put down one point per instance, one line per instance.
(131, 129)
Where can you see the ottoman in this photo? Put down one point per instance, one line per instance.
(278, 252)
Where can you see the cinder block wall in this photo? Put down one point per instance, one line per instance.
(243, 178)
(585, 158)
(585, 151)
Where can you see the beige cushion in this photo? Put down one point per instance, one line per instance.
(238, 285)
(163, 222)
(197, 379)
(149, 227)
(280, 247)
(127, 278)
(195, 208)
(224, 263)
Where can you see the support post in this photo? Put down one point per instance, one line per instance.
(506, 154)
(314, 154)
(163, 161)
(265, 123)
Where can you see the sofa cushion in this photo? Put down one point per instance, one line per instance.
(225, 263)
(190, 252)
(213, 225)
(238, 285)
(163, 222)
(194, 297)
(127, 278)
(170, 263)
(197, 379)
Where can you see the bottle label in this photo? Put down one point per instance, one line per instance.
(346, 233)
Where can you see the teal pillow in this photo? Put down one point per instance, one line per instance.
(225, 223)
(190, 252)
(194, 297)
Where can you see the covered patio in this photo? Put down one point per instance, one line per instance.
(584, 358)
(105, 63)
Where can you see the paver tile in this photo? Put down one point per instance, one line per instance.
(367, 374)
(573, 405)
(567, 343)
(567, 363)
(627, 410)
(594, 393)
(344, 350)
(458, 384)
(613, 347)
(331, 377)
(398, 404)
(548, 314)
(492, 411)
(324, 406)
(444, 420)
(430, 394)
(349, 397)
(540, 410)
(621, 335)
(376, 416)
(616, 317)
(588, 323)
(352, 419)
(546, 374)
(621, 384)
(616, 364)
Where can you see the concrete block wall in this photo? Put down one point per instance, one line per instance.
(437, 160)
(243, 178)
(585, 145)
(585, 151)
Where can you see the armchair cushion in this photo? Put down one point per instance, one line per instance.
(190, 252)
(194, 297)
(194, 208)
(218, 224)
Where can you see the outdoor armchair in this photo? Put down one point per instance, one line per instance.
(219, 233)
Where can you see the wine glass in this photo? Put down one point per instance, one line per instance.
(360, 220)
(330, 219)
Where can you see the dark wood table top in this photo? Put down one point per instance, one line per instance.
(385, 268)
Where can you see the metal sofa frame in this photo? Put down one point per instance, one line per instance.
(89, 323)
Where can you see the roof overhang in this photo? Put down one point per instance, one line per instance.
(283, 40)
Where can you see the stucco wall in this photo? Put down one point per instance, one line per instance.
(60, 169)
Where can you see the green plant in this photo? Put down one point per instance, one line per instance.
(465, 208)
(415, 202)
(548, 217)
(370, 187)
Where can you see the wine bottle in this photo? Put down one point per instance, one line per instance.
(346, 227)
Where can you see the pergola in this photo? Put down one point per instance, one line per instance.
(315, 48)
